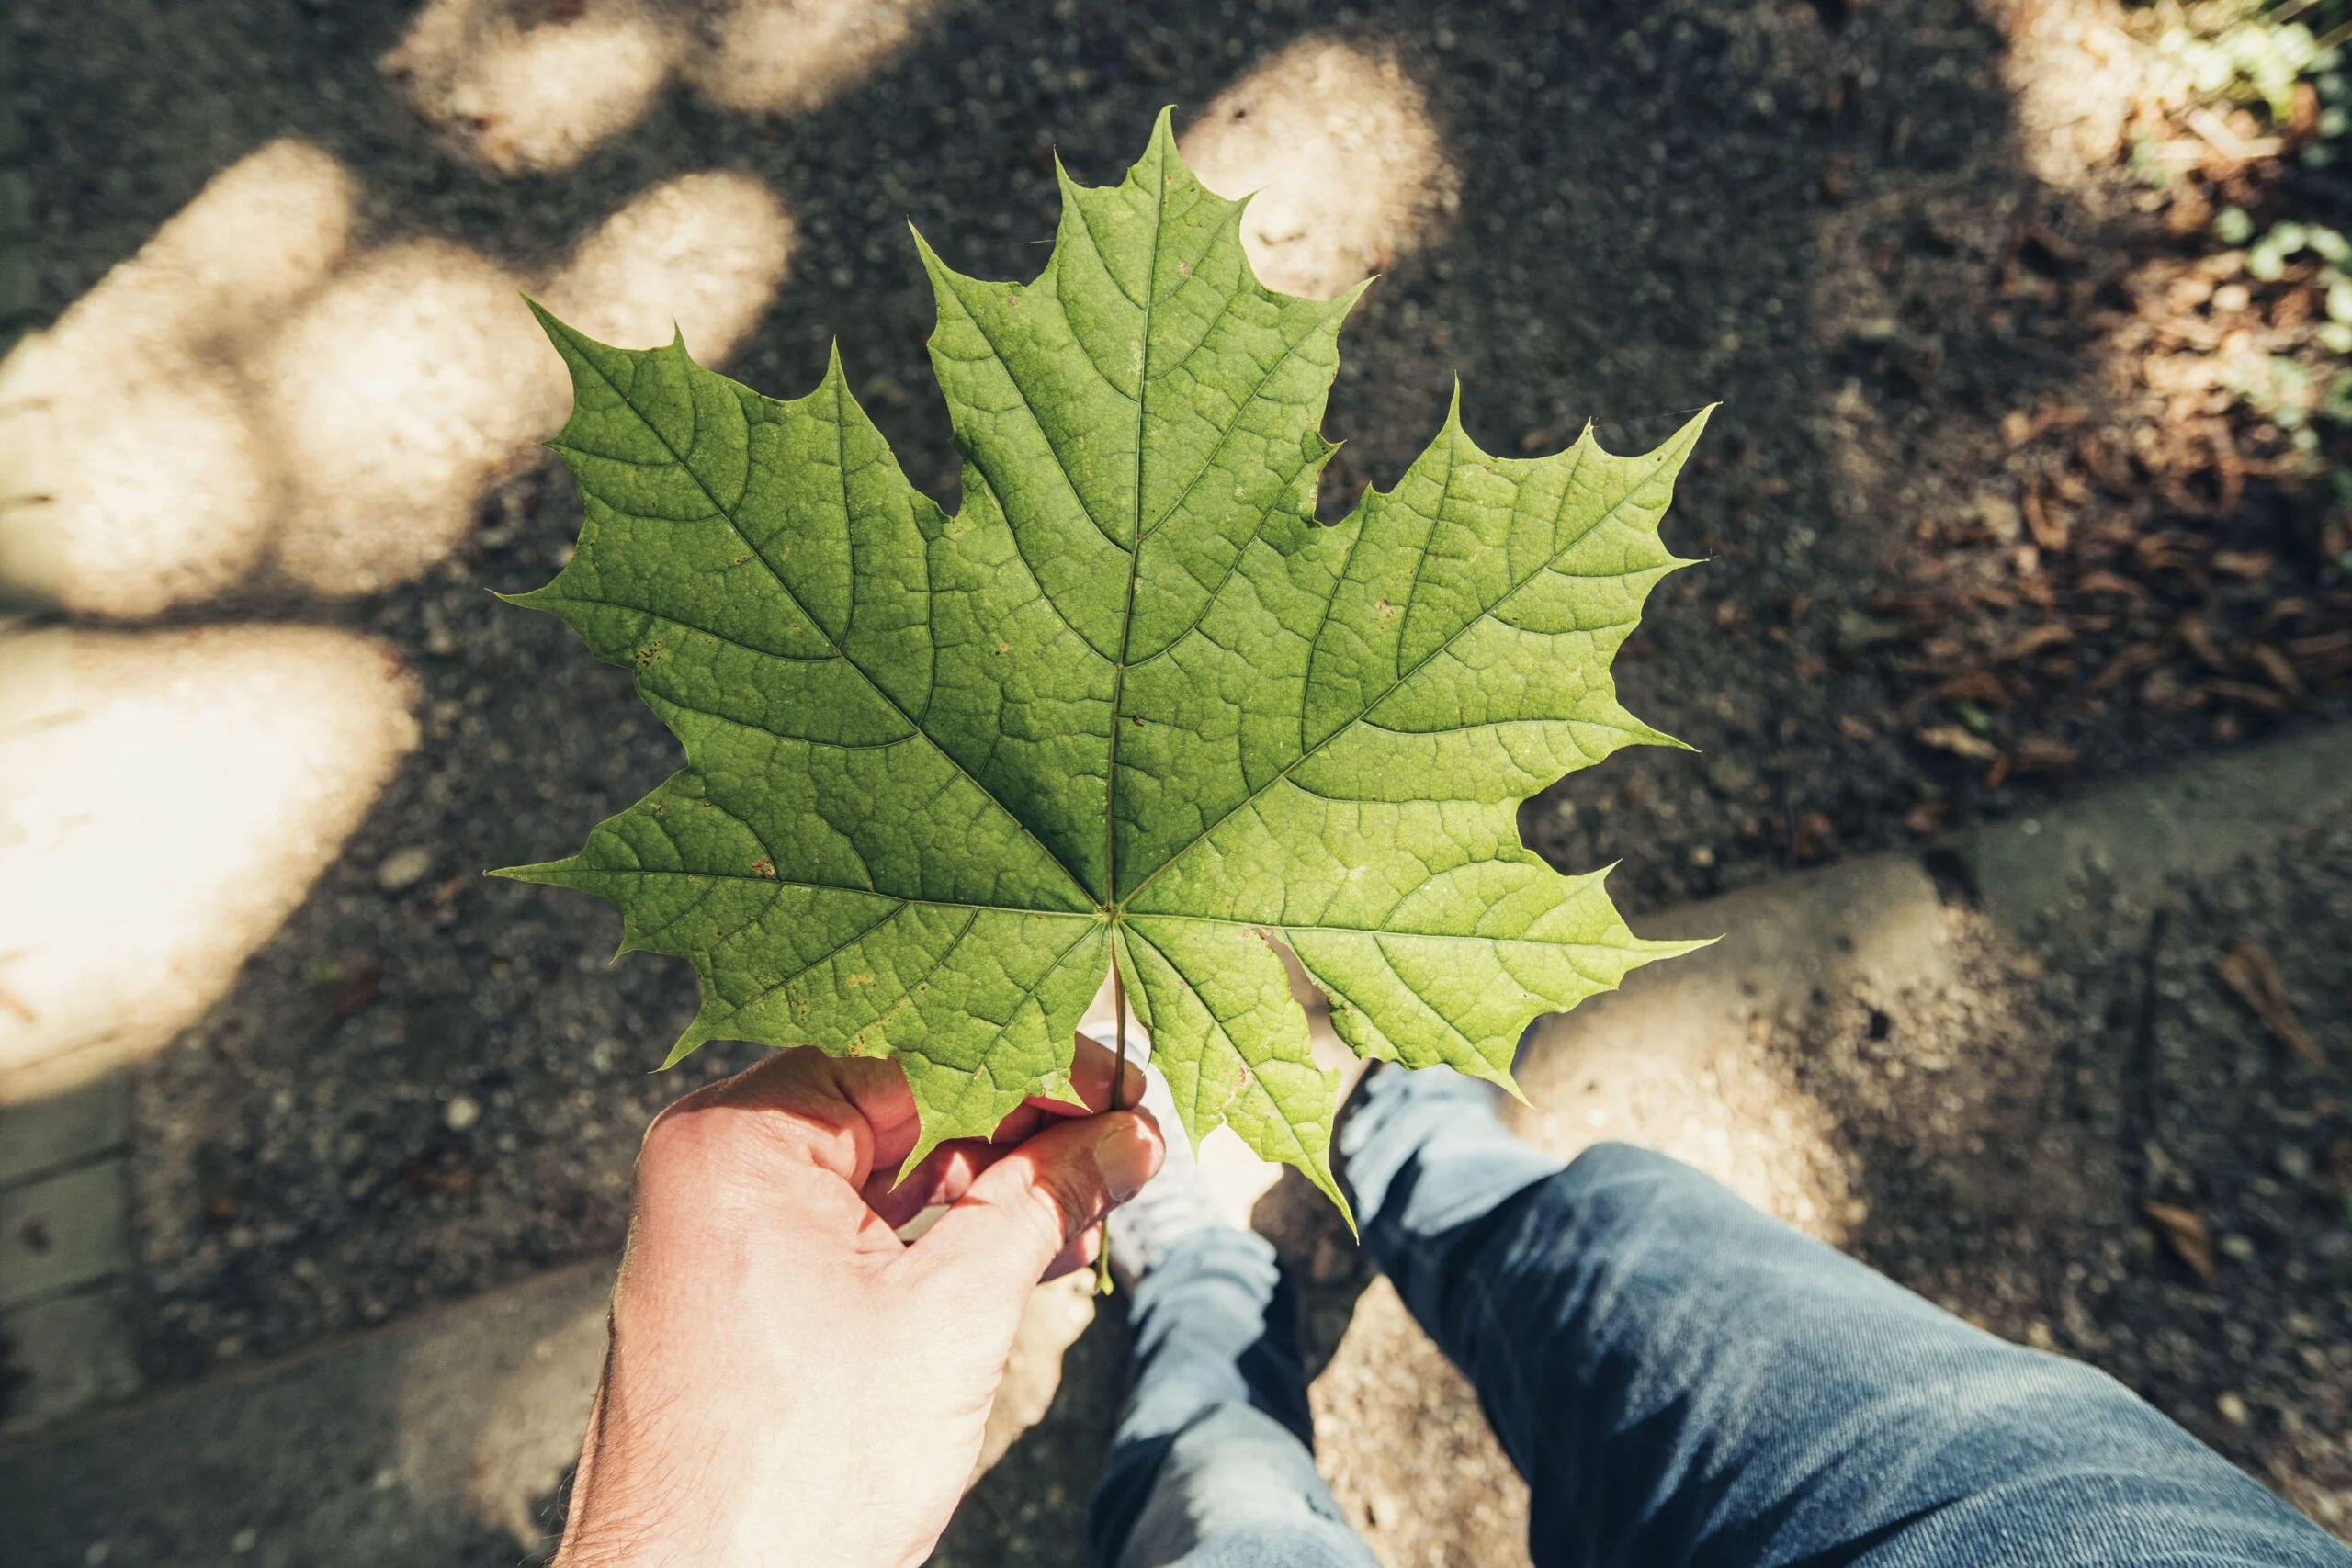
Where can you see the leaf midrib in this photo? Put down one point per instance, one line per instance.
(1135, 537)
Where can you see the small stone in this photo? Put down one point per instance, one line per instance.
(98, 1552)
(2000, 516)
(403, 868)
(2238, 1247)
(244, 1540)
(1730, 776)
(2294, 1162)
(462, 1112)
(2232, 1408)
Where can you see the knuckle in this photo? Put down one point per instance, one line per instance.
(1062, 1203)
(684, 1145)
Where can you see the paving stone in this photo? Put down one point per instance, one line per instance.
(44, 1135)
(391, 1449)
(71, 1352)
(61, 1230)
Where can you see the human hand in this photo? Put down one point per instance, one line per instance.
(790, 1383)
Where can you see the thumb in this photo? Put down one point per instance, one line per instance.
(1013, 1220)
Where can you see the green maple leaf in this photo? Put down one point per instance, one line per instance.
(1130, 705)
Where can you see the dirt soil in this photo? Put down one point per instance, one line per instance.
(1823, 216)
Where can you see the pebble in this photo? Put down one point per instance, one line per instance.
(403, 868)
(462, 1112)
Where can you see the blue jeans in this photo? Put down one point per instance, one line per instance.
(1681, 1380)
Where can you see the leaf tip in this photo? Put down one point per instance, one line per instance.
(1329, 1187)
(1677, 446)
(559, 331)
(697, 1035)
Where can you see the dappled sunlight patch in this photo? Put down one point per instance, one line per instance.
(2078, 77)
(1348, 171)
(245, 388)
(402, 389)
(527, 86)
(258, 237)
(150, 495)
(1726, 1108)
(417, 378)
(1702, 1064)
(703, 253)
(135, 480)
(789, 56)
(535, 92)
(166, 799)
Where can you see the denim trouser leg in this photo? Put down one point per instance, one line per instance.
(1212, 1465)
(1686, 1381)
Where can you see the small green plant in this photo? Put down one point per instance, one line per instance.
(2257, 57)
(2268, 54)
(1129, 707)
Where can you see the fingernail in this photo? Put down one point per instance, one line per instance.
(1127, 1157)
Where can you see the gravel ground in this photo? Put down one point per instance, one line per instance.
(2114, 1080)
(428, 1084)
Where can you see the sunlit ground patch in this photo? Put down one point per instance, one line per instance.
(522, 86)
(166, 799)
(245, 387)
(417, 378)
(1348, 170)
(2078, 76)
(789, 56)
(392, 399)
(135, 480)
(703, 254)
(521, 92)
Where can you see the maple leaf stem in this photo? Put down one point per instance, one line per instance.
(1118, 1081)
